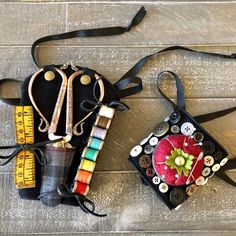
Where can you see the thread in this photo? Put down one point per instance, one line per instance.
(87, 165)
(95, 143)
(103, 122)
(83, 176)
(90, 154)
(98, 132)
(81, 188)
(106, 111)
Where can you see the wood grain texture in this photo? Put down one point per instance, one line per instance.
(202, 76)
(165, 24)
(118, 195)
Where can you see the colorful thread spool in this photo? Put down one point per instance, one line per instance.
(98, 133)
(95, 143)
(87, 165)
(103, 122)
(106, 111)
(90, 154)
(83, 176)
(81, 188)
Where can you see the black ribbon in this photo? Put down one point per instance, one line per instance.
(34, 148)
(66, 192)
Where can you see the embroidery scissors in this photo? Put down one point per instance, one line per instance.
(66, 86)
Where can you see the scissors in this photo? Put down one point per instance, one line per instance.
(66, 86)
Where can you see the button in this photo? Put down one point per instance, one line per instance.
(191, 189)
(224, 161)
(148, 149)
(150, 172)
(206, 180)
(156, 180)
(163, 187)
(136, 151)
(153, 141)
(216, 167)
(208, 160)
(85, 79)
(206, 171)
(175, 117)
(146, 139)
(49, 75)
(175, 129)
(208, 147)
(218, 155)
(145, 161)
(161, 129)
(177, 196)
(198, 137)
(187, 128)
(200, 180)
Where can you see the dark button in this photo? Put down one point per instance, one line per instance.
(218, 155)
(148, 149)
(208, 147)
(150, 172)
(198, 137)
(161, 129)
(175, 117)
(177, 196)
(145, 161)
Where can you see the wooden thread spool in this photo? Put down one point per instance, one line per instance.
(90, 154)
(106, 111)
(103, 122)
(98, 132)
(95, 143)
(81, 188)
(83, 176)
(87, 165)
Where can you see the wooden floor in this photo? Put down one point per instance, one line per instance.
(210, 85)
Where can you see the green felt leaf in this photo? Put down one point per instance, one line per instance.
(188, 164)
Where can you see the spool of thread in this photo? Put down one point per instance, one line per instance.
(81, 188)
(90, 154)
(95, 143)
(106, 111)
(87, 165)
(103, 122)
(98, 132)
(83, 176)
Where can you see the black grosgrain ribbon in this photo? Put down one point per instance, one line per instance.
(65, 191)
(34, 148)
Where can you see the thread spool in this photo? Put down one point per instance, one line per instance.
(106, 111)
(95, 143)
(83, 176)
(81, 188)
(87, 165)
(103, 122)
(90, 154)
(98, 132)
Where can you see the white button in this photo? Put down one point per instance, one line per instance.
(153, 141)
(216, 167)
(200, 180)
(209, 160)
(224, 161)
(136, 151)
(163, 187)
(146, 139)
(206, 171)
(156, 180)
(187, 128)
(206, 180)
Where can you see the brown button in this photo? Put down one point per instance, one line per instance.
(191, 189)
(150, 172)
(145, 161)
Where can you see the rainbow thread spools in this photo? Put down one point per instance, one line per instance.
(90, 153)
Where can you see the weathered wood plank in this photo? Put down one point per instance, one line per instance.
(166, 23)
(202, 76)
(130, 207)
(129, 128)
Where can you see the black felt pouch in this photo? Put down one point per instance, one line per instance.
(179, 155)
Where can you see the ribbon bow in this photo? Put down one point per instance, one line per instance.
(34, 148)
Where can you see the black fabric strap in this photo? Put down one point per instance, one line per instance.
(180, 106)
(89, 33)
(7, 100)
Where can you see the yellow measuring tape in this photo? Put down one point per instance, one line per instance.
(25, 160)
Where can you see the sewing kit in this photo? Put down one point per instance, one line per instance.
(63, 118)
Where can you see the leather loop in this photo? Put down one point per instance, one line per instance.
(180, 106)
